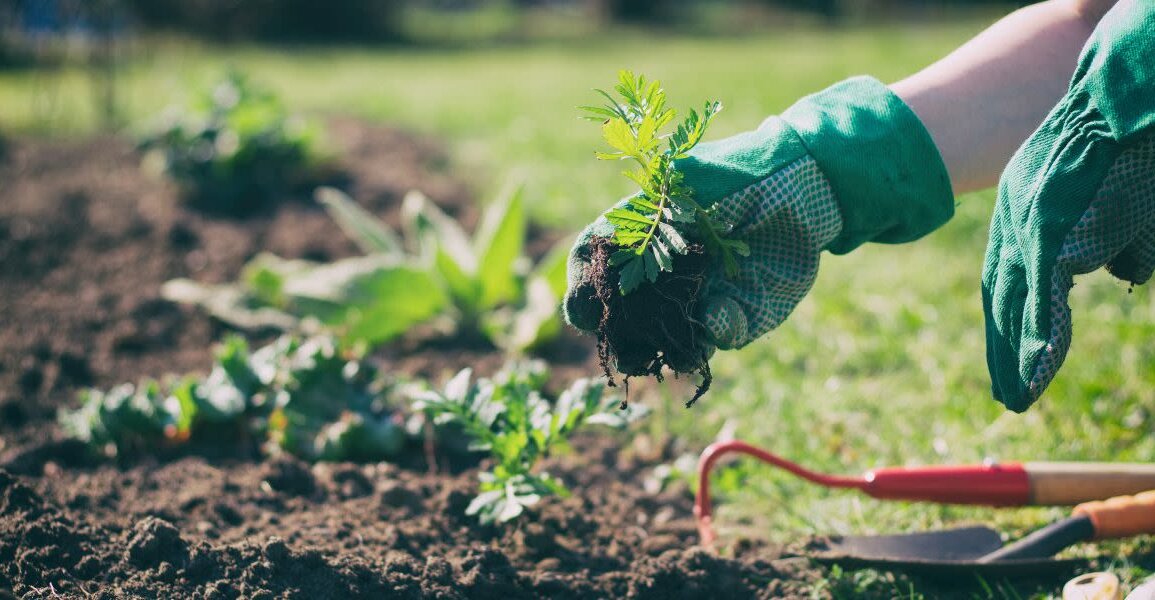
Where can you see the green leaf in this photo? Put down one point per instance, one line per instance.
(651, 264)
(620, 257)
(669, 235)
(620, 137)
(662, 256)
(624, 217)
(631, 275)
(644, 203)
(599, 113)
(463, 287)
(368, 232)
(434, 230)
(369, 299)
(627, 238)
(231, 303)
(500, 242)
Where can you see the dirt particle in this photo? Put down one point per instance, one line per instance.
(652, 327)
(154, 540)
(289, 475)
(395, 494)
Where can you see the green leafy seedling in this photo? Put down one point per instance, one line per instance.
(509, 418)
(310, 398)
(480, 287)
(662, 219)
(235, 149)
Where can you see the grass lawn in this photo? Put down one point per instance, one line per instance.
(883, 364)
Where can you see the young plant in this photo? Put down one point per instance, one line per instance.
(495, 292)
(508, 417)
(656, 223)
(234, 151)
(308, 398)
(364, 300)
(649, 274)
(478, 288)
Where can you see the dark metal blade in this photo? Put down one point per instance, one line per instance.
(1046, 541)
(953, 570)
(965, 543)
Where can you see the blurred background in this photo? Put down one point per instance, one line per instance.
(501, 78)
(883, 364)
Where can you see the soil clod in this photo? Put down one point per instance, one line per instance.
(653, 327)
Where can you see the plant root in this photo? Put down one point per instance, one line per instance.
(652, 327)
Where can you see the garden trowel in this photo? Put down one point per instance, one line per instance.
(991, 484)
(980, 550)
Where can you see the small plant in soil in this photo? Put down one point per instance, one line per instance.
(236, 150)
(309, 398)
(509, 417)
(480, 289)
(649, 274)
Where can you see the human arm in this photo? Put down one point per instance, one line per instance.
(983, 99)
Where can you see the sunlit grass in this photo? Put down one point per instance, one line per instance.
(883, 364)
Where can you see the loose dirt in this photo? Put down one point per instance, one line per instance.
(86, 241)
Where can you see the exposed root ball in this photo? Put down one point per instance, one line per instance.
(653, 326)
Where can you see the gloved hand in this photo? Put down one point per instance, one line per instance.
(1078, 195)
(847, 165)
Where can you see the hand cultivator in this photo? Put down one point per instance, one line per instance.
(971, 549)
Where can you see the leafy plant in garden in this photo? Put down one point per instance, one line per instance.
(494, 290)
(663, 219)
(475, 287)
(649, 274)
(235, 150)
(305, 397)
(508, 417)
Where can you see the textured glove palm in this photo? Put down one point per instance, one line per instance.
(1078, 195)
(844, 166)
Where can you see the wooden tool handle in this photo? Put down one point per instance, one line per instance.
(1069, 483)
(1121, 516)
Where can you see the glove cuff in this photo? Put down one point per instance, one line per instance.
(888, 177)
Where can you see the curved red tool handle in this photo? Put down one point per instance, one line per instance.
(702, 509)
(1005, 484)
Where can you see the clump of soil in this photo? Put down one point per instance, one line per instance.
(653, 326)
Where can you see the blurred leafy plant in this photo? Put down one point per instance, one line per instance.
(494, 291)
(305, 397)
(235, 149)
(481, 288)
(508, 417)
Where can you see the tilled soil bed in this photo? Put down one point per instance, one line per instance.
(86, 240)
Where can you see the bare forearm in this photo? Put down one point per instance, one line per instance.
(981, 101)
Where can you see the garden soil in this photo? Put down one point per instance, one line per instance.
(86, 240)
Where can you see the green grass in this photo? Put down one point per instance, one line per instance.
(883, 364)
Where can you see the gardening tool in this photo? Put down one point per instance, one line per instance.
(980, 550)
(990, 483)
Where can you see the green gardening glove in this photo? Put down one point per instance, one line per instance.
(842, 167)
(1078, 195)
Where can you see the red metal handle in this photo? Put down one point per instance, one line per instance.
(1004, 484)
(988, 484)
(702, 508)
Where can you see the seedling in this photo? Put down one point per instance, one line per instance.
(508, 417)
(308, 398)
(654, 224)
(481, 287)
(649, 274)
(235, 150)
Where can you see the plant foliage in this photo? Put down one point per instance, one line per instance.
(662, 219)
(235, 150)
(308, 398)
(508, 417)
(480, 287)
